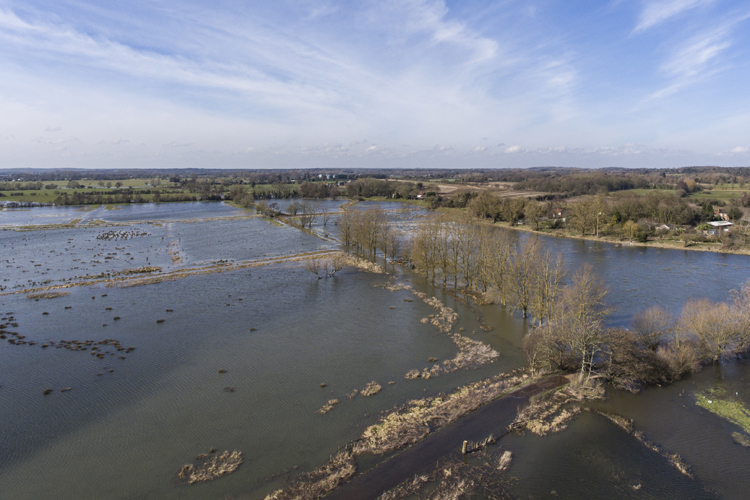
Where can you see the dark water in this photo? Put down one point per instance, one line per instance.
(639, 278)
(125, 434)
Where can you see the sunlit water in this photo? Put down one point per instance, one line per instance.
(125, 434)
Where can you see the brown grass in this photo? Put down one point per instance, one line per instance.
(451, 479)
(546, 412)
(209, 468)
(410, 423)
(321, 481)
(471, 354)
(47, 295)
(328, 406)
(371, 389)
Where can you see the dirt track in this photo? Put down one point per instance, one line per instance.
(492, 417)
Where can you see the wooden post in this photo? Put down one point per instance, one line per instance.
(463, 448)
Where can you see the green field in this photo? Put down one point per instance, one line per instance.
(40, 196)
(717, 194)
(641, 192)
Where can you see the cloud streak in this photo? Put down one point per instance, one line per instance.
(659, 11)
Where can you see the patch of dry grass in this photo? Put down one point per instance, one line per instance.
(409, 424)
(471, 353)
(371, 389)
(328, 406)
(211, 467)
(546, 413)
(321, 481)
(451, 479)
(47, 295)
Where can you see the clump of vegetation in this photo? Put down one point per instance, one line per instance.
(209, 468)
(546, 413)
(742, 439)
(140, 270)
(316, 484)
(452, 478)
(410, 423)
(328, 406)
(47, 295)
(717, 403)
(471, 353)
(371, 389)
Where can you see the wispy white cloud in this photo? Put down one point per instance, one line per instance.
(698, 57)
(53, 129)
(739, 150)
(514, 149)
(430, 17)
(658, 11)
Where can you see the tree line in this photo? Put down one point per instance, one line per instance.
(656, 349)
(569, 312)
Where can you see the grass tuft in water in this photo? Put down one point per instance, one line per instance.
(717, 403)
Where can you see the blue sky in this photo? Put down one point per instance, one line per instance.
(389, 83)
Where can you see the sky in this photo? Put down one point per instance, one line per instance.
(374, 84)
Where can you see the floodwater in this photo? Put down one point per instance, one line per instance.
(39, 215)
(279, 333)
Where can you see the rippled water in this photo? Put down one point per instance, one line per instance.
(39, 215)
(167, 211)
(125, 434)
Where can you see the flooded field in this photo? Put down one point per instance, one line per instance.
(236, 360)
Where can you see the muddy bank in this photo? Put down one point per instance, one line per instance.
(492, 417)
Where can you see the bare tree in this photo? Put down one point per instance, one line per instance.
(511, 209)
(713, 325)
(536, 211)
(293, 208)
(522, 274)
(336, 263)
(314, 265)
(583, 300)
(550, 273)
(308, 216)
(326, 214)
(583, 214)
(652, 326)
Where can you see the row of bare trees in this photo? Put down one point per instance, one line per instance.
(368, 231)
(456, 251)
(656, 349)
